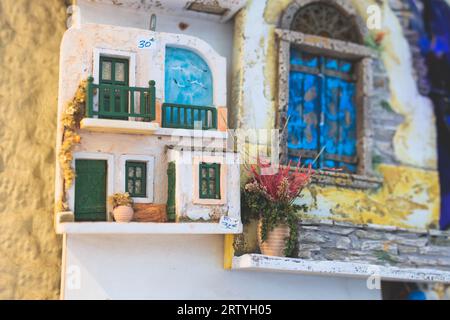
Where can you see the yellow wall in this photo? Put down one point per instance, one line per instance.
(30, 34)
(409, 196)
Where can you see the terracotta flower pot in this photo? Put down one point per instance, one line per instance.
(123, 214)
(275, 242)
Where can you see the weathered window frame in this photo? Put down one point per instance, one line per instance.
(363, 57)
(121, 179)
(223, 188)
(207, 166)
(143, 179)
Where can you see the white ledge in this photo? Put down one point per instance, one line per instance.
(191, 133)
(146, 128)
(142, 228)
(118, 126)
(257, 262)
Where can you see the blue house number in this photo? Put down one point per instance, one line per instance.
(145, 43)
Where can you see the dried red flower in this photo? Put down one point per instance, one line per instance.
(285, 185)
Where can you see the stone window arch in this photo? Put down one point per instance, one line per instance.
(326, 20)
(338, 14)
(324, 84)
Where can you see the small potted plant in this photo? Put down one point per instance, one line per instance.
(122, 207)
(270, 195)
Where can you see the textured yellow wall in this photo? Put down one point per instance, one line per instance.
(30, 34)
(409, 196)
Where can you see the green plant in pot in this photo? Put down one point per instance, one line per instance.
(122, 204)
(270, 195)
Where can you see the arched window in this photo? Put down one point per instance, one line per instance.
(322, 87)
(188, 78)
(326, 20)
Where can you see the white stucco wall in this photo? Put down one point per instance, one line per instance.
(183, 267)
(81, 45)
(188, 203)
(218, 35)
(113, 147)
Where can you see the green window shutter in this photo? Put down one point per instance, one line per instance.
(136, 179)
(209, 180)
(171, 204)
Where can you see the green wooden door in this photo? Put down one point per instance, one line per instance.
(114, 72)
(90, 190)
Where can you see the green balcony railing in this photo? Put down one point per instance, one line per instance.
(188, 117)
(120, 102)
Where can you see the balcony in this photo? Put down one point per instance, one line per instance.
(121, 102)
(189, 117)
(123, 109)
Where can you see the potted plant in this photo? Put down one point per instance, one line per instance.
(270, 195)
(122, 207)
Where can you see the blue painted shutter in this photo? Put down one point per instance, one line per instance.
(322, 111)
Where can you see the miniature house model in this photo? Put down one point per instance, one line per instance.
(154, 103)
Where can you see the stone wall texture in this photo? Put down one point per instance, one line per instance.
(380, 245)
(30, 252)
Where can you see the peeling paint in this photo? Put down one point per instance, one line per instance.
(271, 73)
(274, 9)
(406, 192)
